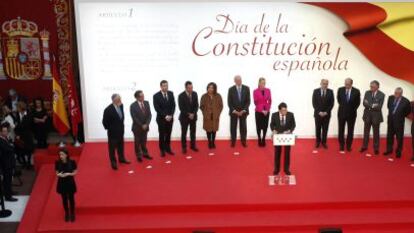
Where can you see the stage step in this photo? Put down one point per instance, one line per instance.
(247, 221)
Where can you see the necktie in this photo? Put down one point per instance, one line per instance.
(283, 121)
(142, 107)
(239, 93)
(118, 110)
(189, 98)
(348, 95)
(395, 105)
(165, 97)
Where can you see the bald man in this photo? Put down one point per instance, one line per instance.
(349, 99)
(398, 109)
(323, 102)
(113, 122)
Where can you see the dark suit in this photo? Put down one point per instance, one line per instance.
(141, 115)
(372, 117)
(7, 164)
(398, 110)
(188, 105)
(164, 106)
(280, 127)
(349, 102)
(25, 143)
(322, 103)
(114, 124)
(238, 102)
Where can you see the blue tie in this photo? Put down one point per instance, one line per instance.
(348, 95)
(118, 110)
(395, 105)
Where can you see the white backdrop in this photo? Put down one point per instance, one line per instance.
(126, 46)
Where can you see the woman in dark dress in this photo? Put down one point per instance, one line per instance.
(40, 128)
(66, 169)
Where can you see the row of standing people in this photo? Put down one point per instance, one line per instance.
(238, 100)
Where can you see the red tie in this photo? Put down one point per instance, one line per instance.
(142, 107)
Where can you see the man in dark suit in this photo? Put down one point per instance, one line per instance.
(7, 162)
(373, 101)
(398, 109)
(113, 122)
(282, 122)
(188, 103)
(141, 118)
(323, 102)
(24, 136)
(164, 105)
(238, 100)
(349, 99)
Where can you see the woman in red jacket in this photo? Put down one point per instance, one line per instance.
(263, 101)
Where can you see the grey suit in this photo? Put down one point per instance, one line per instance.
(372, 116)
(140, 117)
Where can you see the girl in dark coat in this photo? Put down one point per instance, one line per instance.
(66, 169)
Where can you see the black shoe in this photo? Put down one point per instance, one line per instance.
(233, 144)
(276, 173)
(170, 152)
(114, 166)
(139, 158)
(341, 148)
(260, 143)
(244, 144)
(72, 217)
(317, 145)
(412, 158)
(213, 144)
(349, 149)
(148, 157)
(125, 161)
(324, 146)
(162, 153)
(10, 199)
(195, 149)
(376, 152)
(184, 150)
(264, 143)
(387, 153)
(398, 154)
(210, 145)
(362, 149)
(288, 173)
(67, 218)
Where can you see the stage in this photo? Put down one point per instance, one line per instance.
(225, 192)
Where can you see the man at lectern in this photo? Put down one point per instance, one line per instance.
(113, 122)
(282, 122)
(164, 105)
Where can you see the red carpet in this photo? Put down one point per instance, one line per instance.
(230, 193)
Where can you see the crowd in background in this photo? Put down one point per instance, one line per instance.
(27, 124)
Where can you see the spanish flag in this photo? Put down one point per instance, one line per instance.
(60, 116)
(383, 32)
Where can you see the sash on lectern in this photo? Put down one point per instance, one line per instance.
(284, 139)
